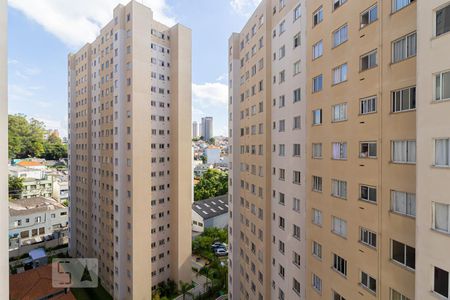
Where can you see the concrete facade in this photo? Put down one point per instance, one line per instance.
(130, 139)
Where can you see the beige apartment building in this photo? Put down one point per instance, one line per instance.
(130, 139)
(433, 133)
(267, 145)
(361, 120)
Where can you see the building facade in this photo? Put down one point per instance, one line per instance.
(129, 141)
(267, 193)
(195, 129)
(206, 129)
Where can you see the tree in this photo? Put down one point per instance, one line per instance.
(15, 187)
(25, 138)
(212, 141)
(185, 287)
(213, 183)
(54, 148)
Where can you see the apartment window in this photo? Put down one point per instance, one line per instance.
(281, 101)
(296, 122)
(442, 86)
(339, 226)
(297, 95)
(317, 249)
(316, 283)
(281, 198)
(399, 4)
(282, 27)
(296, 68)
(281, 224)
(281, 52)
(296, 204)
(368, 149)
(282, 174)
(281, 150)
(297, 12)
(339, 188)
(404, 151)
(296, 231)
(368, 105)
(317, 49)
(339, 150)
(339, 112)
(317, 150)
(367, 237)
(317, 183)
(441, 220)
(397, 295)
(317, 217)
(442, 152)
(281, 126)
(296, 150)
(443, 20)
(339, 264)
(317, 83)
(318, 16)
(403, 203)
(296, 40)
(368, 282)
(282, 77)
(337, 296)
(340, 35)
(296, 177)
(368, 61)
(296, 286)
(317, 116)
(404, 99)
(369, 16)
(404, 48)
(368, 193)
(440, 285)
(340, 74)
(403, 254)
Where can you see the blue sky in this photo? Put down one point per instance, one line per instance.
(42, 33)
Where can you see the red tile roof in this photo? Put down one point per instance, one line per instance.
(25, 163)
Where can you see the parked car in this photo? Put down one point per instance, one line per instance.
(221, 252)
(218, 245)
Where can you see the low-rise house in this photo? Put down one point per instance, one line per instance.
(212, 212)
(33, 220)
(36, 182)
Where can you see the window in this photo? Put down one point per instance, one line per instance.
(282, 27)
(369, 16)
(317, 49)
(404, 151)
(338, 3)
(296, 68)
(337, 296)
(397, 296)
(441, 220)
(367, 237)
(340, 74)
(282, 77)
(297, 12)
(403, 254)
(404, 48)
(316, 283)
(296, 204)
(296, 286)
(442, 152)
(296, 151)
(442, 86)
(317, 150)
(297, 95)
(440, 285)
(403, 203)
(317, 116)
(368, 149)
(368, 61)
(318, 16)
(443, 20)
(296, 231)
(339, 188)
(317, 249)
(340, 35)
(296, 177)
(281, 224)
(368, 105)
(404, 99)
(317, 184)
(339, 112)
(368, 282)
(339, 264)
(399, 4)
(368, 193)
(281, 126)
(339, 226)
(317, 83)
(339, 150)
(281, 150)
(317, 217)
(281, 52)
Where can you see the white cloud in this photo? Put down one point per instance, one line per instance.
(244, 7)
(213, 94)
(78, 22)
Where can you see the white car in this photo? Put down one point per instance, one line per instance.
(221, 252)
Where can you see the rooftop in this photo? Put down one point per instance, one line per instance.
(25, 163)
(212, 207)
(32, 205)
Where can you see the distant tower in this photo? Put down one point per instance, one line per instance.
(195, 129)
(207, 128)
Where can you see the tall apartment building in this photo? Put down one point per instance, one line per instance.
(433, 133)
(361, 118)
(206, 128)
(130, 139)
(267, 192)
(195, 129)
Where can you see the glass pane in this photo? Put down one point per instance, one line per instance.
(446, 85)
(441, 216)
(398, 252)
(438, 87)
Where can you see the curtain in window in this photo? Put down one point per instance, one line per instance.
(336, 150)
(446, 85)
(399, 151)
(399, 202)
(411, 204)
(411, 45)
(442, 152)
(411, 151)
(441, 216)
(399, 50)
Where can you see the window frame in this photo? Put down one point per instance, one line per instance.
(374, 98)
(368, 54)
(368, 11)
(338, 31)
(369, 143)
(399, 98)
(405, 253)
(441, 88)
(407, 49)
(371, 241)
(369, 187)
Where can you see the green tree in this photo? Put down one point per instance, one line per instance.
(185, 287)
(15, 187)
(212, 141)
(213, 183)
(25, 138)
(54, 148)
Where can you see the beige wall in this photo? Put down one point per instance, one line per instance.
(4, 269)
(432, 122)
